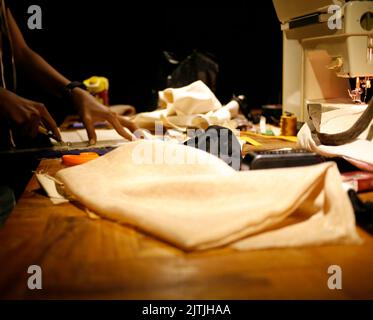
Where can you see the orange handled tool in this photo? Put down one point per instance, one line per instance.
(75, 159)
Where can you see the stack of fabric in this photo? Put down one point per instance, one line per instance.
(193, 106)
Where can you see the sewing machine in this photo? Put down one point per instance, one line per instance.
(327, 53)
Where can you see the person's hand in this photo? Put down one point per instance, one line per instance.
(91, 110)
(25, 114)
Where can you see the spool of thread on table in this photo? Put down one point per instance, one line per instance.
(288, 124)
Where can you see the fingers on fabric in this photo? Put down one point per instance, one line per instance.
(112, 118)
(88, 123)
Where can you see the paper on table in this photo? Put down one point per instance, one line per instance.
(49, 186)
(81, 135)
(79, 138)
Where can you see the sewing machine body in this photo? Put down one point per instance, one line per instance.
(325, 45)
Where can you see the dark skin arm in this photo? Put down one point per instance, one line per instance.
(89, 109)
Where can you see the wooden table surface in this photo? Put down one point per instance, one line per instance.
(83, 258)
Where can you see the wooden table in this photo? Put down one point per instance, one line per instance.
(83, 258)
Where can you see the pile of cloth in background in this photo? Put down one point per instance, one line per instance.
(193, 106)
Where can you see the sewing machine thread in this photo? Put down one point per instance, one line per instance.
(288, 124)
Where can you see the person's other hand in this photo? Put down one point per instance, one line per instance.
(25, 114)
(91, 110)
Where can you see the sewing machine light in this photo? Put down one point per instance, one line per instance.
(361, 87)
(356, 93)
(366, 84)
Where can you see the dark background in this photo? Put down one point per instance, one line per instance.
(124, 41)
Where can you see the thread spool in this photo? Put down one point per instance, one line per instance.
(288, 124)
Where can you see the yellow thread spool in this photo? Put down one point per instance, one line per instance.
(288, 124)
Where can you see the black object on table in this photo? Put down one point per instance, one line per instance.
(363, 211)
(219, 141)
(280, 159)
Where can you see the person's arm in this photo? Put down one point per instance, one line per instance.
(33, 64)
(52, 81)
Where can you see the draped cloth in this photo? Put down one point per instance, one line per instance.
(195, 201)
(358, 151)
(192, 106)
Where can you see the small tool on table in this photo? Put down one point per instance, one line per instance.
(43, 130)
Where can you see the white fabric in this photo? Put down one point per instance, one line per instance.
(195, 98)
(359, 152)
(193, 106)
(49, 186)
(195, 201)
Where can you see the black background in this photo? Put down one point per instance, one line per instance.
(124, 41)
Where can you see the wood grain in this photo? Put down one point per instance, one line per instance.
(83, 258)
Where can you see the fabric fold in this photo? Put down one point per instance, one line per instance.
(192, 106)
(195, 201)
(359, 152)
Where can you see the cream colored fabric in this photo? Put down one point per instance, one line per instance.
(359, 152)
(123, 110)
(195, 98)
(195, 201)
(193, 106)
(48, 184)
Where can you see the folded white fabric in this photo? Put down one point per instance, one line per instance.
(193, 106)
(195, 98)
(358, 152)
(195, 201)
